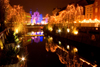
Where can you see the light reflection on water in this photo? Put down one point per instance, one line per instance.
(37, 39)
(68, 56)
(63, 54)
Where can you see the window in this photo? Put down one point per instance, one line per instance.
(90, 15)
(87, 15)
(96, 10)
(90, 8)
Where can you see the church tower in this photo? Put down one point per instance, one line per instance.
(31, 12)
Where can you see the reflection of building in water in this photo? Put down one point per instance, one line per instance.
(64, 55)
(37, 39)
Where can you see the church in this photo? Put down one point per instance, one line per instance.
(36, 18)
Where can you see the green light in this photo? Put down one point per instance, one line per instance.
(28, 40)
(28, 16)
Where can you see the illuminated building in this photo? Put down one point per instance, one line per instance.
(89, 11)
(96, 9)
(37, 18)
(92, 10)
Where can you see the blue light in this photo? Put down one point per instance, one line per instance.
(41, 38)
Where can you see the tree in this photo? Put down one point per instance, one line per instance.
(2, 15)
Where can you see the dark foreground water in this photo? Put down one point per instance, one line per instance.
(39, 57)
(54, 52)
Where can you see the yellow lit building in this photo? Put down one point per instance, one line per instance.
(89, 12)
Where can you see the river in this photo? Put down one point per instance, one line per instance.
(49, 51)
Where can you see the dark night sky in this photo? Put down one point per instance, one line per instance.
(44, 6)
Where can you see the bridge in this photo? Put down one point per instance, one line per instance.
(33, 35)
(30, 28)
(35, 26)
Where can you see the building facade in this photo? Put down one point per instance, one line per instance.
(37, 18)
(89, 12)
(92, 11)
(96, 9)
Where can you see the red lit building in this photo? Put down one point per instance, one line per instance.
(96, 9)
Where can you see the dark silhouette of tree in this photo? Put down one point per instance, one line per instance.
(2, 15)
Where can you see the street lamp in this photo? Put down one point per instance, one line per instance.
(23, 58)
(18, 46)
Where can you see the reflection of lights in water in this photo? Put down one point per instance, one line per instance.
(37, 39)
(64, 57)
(75, 50)
(67, 46)
(18, 46)
(59, 42)
(32, 37)
(44, 37)
(35, 36)
(41, 38)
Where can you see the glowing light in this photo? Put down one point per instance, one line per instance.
(32, 24)
(96, 28)
(38, 32)
(22, 58)
(1, 44)
(32, 33)
(42, 33)
(28, 40)
(18, 56)
(75, 50)
(68, 30)
(74, 21)
(18, 46)
(16, 30)
(75, 32)
(59, 42)
(42, 22)
(51, 38)
(50, 29)
(59, 30)
(67, 46)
